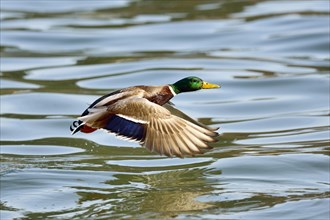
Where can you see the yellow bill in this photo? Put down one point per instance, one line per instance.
(207, 85)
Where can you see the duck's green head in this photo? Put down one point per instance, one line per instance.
(191, 83)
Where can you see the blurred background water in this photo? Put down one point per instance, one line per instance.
(271, 58)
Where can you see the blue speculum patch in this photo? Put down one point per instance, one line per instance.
(125, 127)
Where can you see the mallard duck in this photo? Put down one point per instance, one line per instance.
(144, 114)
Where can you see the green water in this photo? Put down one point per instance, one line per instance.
(271, 58)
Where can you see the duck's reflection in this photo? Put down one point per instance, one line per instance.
(176, 191)
(165, 193)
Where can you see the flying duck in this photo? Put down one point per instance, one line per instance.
(145, 115)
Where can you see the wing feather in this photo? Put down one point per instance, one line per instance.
(170, 106)
(163, 132)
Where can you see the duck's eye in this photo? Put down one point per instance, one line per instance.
(194, 80)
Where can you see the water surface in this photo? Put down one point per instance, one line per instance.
(271, 58)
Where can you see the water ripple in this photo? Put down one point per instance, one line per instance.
(271, 59)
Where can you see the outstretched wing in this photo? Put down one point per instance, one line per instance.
(152, 125)
(171, 107)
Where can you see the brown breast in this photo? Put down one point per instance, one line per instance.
(158, 94)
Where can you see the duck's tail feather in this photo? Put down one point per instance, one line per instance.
(80, 126)
(76, 126)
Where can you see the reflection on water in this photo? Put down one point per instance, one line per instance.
(271, 58)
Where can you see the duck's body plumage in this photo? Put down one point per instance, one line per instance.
(142, 114)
